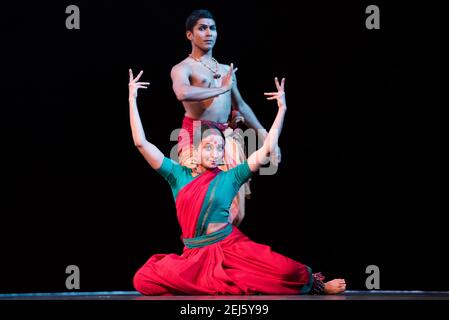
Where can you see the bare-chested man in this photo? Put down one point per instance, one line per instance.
(208, 91)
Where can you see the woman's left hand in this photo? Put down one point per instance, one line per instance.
(279, 95)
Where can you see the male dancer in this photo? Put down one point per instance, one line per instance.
(208, 91)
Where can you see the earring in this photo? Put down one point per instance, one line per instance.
(194, 158)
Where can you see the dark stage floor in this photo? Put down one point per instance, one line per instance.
(132, 295)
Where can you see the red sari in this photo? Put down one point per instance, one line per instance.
(234, 155)
(224, 262)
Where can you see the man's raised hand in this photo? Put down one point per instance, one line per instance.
(228, 78)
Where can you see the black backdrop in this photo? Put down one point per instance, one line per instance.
(363, 179)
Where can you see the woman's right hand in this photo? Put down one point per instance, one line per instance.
(134, 85)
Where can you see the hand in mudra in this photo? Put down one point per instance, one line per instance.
(228, 79)
(134, 85)
(279, 95)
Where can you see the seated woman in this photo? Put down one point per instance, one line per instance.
(217, 257)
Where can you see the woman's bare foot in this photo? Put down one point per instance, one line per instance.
(335, 286)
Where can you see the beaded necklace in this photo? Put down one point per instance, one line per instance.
(215, 72)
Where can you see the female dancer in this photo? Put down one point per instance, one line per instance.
(217, 257)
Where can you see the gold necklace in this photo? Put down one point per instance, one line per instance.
(215, 72)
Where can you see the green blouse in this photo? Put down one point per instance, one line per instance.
(221, 192)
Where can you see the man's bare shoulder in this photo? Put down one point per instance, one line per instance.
(184, 66)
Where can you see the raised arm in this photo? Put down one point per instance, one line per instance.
(150, 152)
(260, 156)
(186, 92)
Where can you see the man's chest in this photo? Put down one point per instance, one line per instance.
(203, 77)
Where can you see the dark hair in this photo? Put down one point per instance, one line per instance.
(197, 15)
(205, 131)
